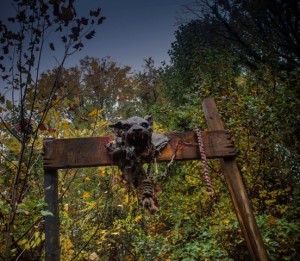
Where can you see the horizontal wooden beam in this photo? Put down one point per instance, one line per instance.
(91, 152)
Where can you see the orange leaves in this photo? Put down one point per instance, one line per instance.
(272, 220)
(101, 173)
(86, 195)
(42, 127)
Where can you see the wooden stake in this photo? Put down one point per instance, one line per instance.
(52, 247)
(237, 190)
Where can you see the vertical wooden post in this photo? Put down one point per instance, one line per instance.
(237, 190)
(52, 246)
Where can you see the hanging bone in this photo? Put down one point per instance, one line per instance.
(148, 196)
(134, 144)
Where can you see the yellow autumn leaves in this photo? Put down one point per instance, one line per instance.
(33, 242)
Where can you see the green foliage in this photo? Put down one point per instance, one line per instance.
(99, 214)
(281, 237)
(258, 108)
(25, 114)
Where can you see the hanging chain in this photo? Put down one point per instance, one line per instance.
(149, 169)
(171, 162)
(152, 159)
(154, 154)
(203, 159)
(204, 162)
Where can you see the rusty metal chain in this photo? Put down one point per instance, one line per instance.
(171, 162)
(204, 162)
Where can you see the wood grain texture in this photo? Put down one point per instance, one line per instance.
(237, 190)
(91, 152)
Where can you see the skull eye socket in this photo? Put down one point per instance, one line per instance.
(145, 125)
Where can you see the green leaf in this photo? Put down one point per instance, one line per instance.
(23, 241)
(46, 213)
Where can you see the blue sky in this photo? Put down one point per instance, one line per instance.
(133, 30)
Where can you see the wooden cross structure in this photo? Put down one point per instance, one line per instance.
(91, 152)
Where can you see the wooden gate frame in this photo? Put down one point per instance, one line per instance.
(90, 152)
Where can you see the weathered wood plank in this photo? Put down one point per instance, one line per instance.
(237, 190)
(89, 152)
(217, 144)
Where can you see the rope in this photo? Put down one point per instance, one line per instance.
(204, 162)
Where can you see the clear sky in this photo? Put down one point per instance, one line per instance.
(133, 30)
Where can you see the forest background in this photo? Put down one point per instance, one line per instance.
(245, 54)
